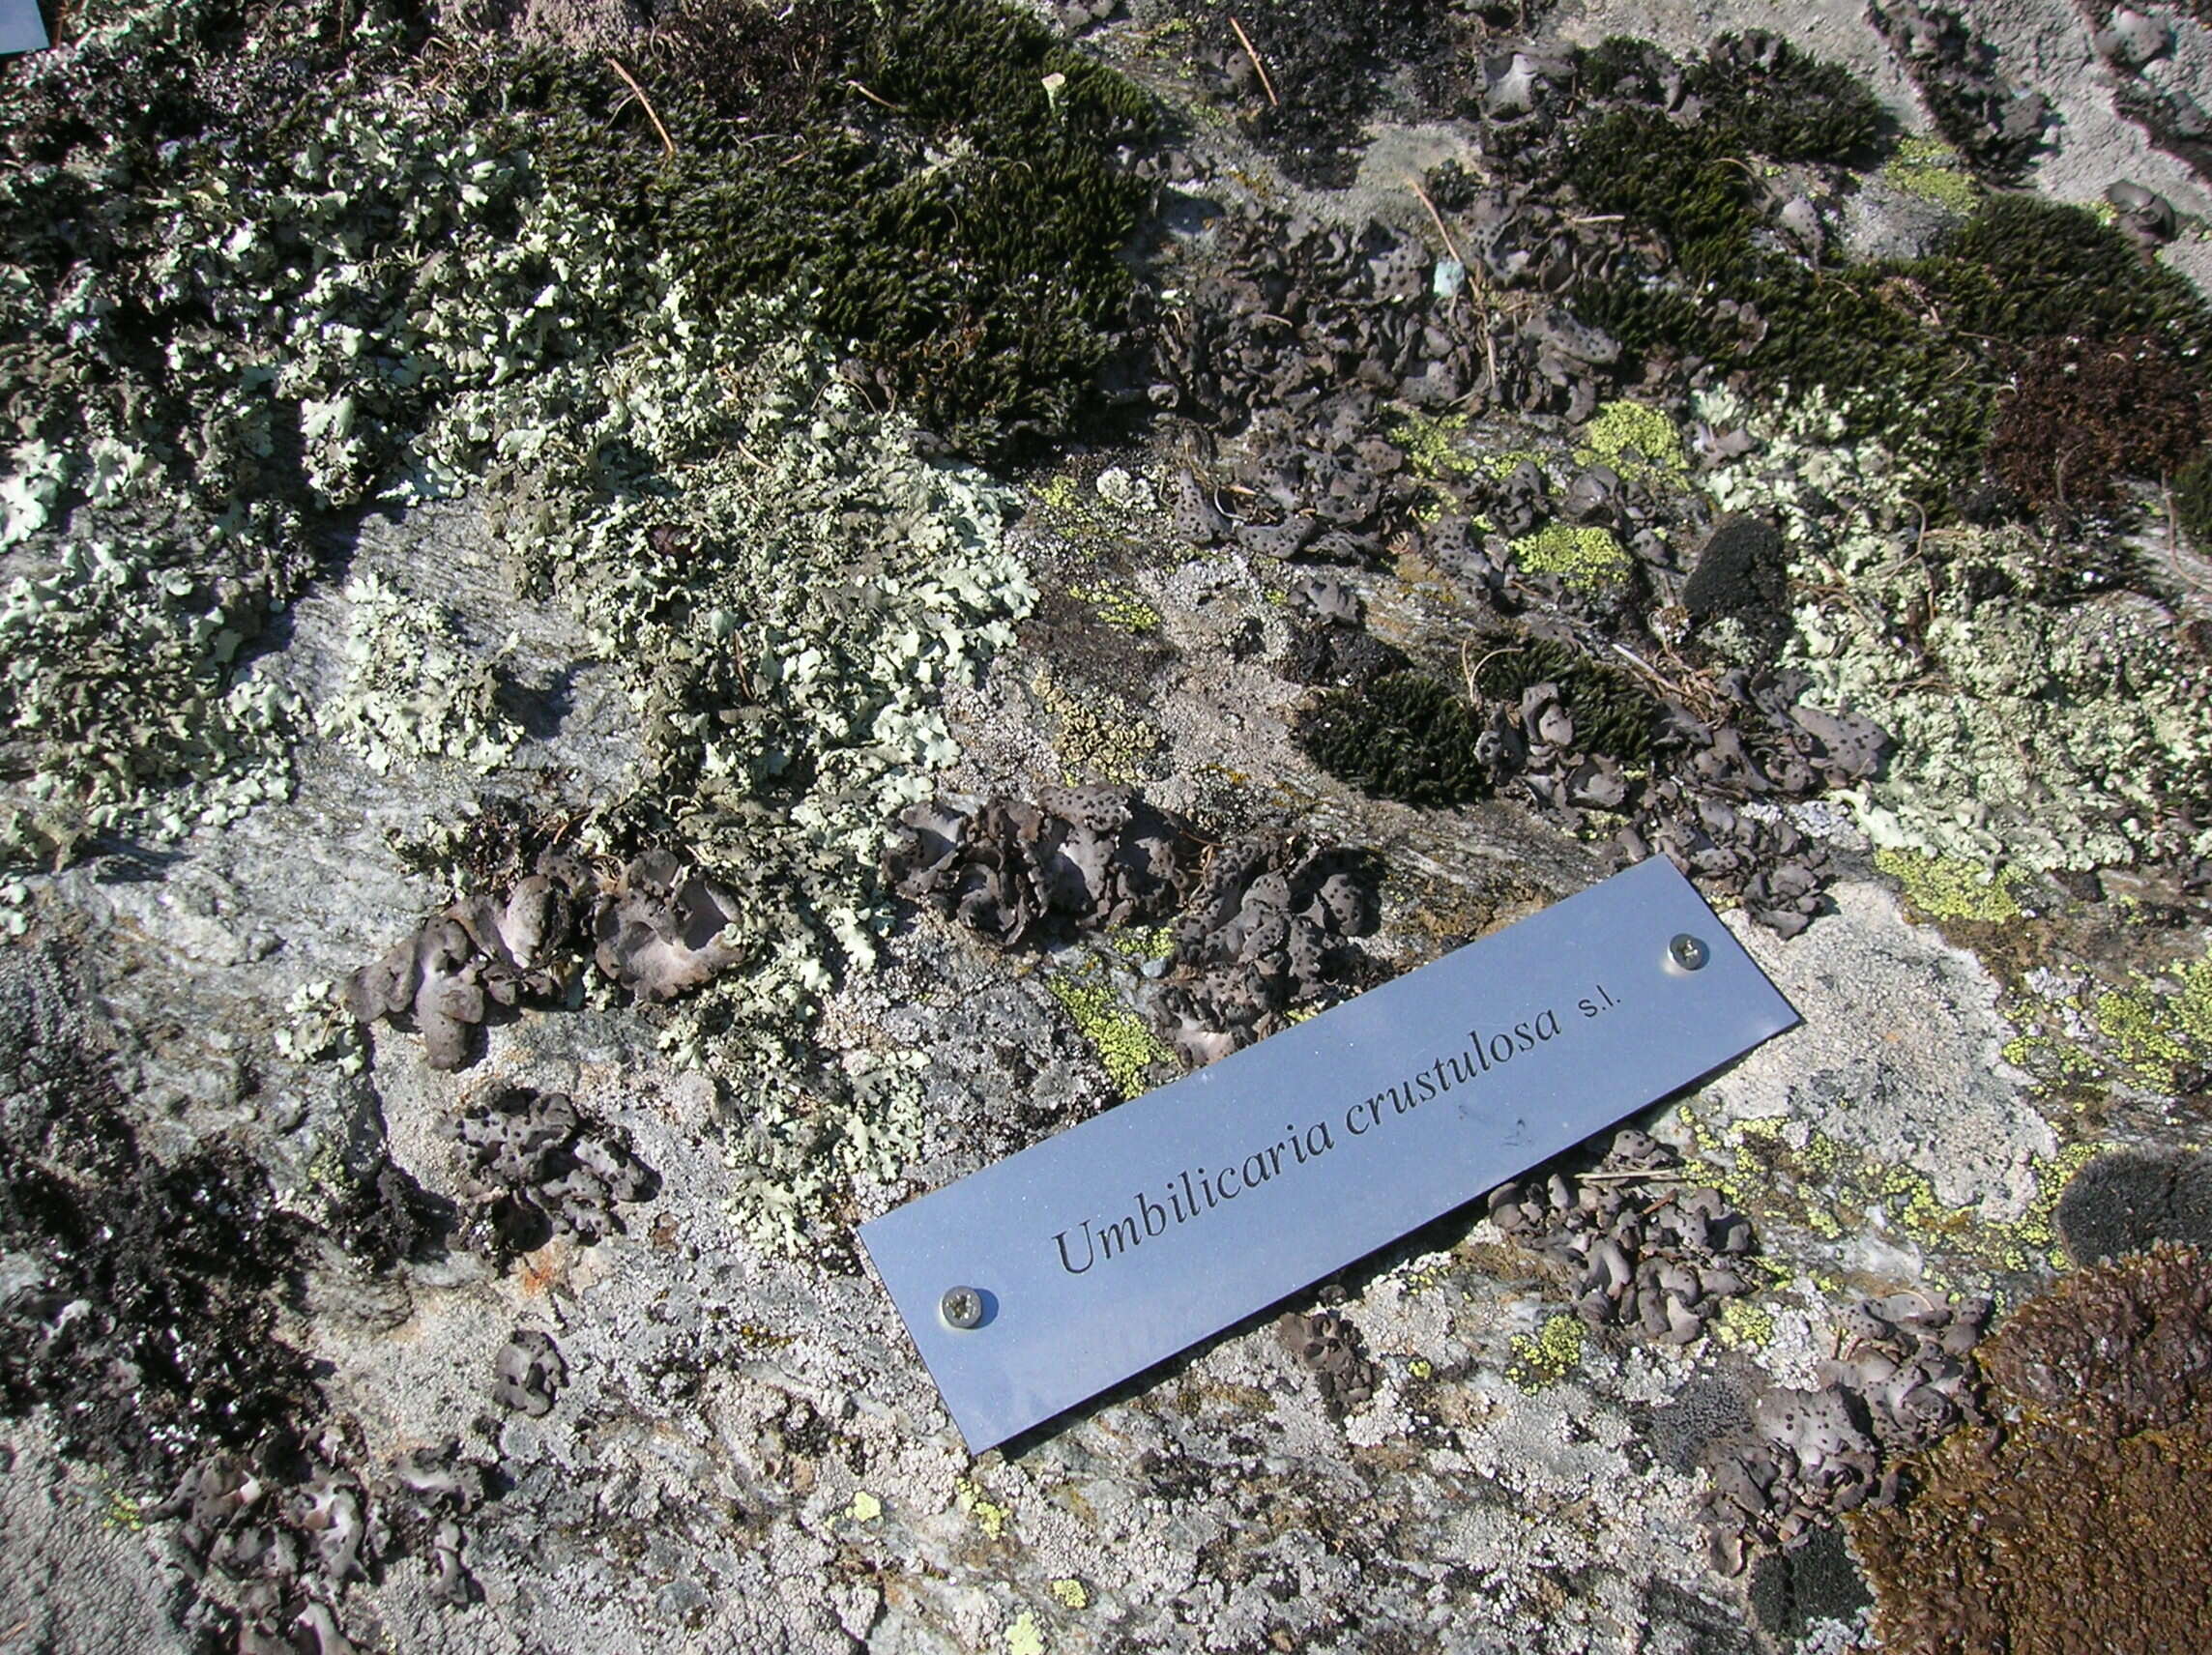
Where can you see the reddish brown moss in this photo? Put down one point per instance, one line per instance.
(2083, 1519)
(2081, 415)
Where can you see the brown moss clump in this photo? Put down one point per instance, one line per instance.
(2082, 1518)
(2083, 415)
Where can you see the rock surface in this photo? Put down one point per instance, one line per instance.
(1015, 808)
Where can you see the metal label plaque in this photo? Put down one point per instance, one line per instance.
(1040, 1281)
(21, 29)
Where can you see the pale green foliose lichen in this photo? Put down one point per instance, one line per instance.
(2035, 727)
(122, 701)
(414, 689)
(402, 309)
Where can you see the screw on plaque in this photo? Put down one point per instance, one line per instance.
(961, 1308)
(1688, 952)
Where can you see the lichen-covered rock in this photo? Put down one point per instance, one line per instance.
(480, 954)
(1095, 856)
(543, 1168)
(659, 931)
(528, 1373)
(1901, 1378)
(1974, 105)
(1267, 933)
(1641, 1253)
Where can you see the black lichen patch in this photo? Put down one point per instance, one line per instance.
(1340, 655)
(1818, 1581)
(1742, 575)
(1008, 870)
(385, 1218)
(1407, 736)
(1267, 935)
(2078, 1522)
(2131, 1199)
(147, 1327)
(949, 182)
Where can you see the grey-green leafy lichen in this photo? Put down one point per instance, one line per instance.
(121, 696)
(391, 300)
(412, 689)
(2040, 717)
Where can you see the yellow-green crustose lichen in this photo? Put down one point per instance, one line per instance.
(1101, 737)
(1586, 558)
(1932, 170)
(2032, 725)
(1117, 605)
(1946, 888)
(1777, 1168)
(1636, 439)
(993, 1518)
(2161, 1029)
(1431, 446)
(1124, 1041)
(1744, 1325)
(1549, 1354)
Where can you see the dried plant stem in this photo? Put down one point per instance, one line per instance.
(652, 114)
(1245, 40)
(1473, 279)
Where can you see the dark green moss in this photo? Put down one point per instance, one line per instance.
(2193, 500)
(1612, 714)
(2019, 271)
(2024, 269)
(1691, 181)
(1407, 737)
(959, 225)
(1684, 183)
(1761, 95)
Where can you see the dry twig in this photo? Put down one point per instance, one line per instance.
(1245, 40)
(652, 114)
(1474, 278)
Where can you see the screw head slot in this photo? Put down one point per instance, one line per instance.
(961, 1308)
(1688, 952)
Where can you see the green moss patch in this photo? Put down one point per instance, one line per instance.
(1407, 737)
(2015, 271)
